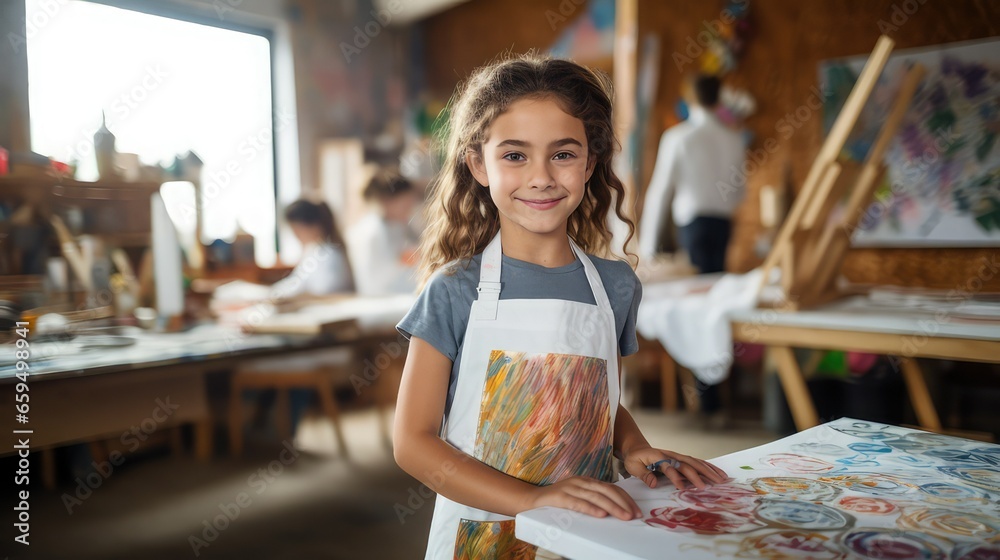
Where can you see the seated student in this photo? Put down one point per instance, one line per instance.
(383, 244)
(323, 268)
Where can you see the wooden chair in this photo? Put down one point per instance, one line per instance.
(316, 370)
(652, 360)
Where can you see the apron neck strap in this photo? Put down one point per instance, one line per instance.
(489, 282)
(489, 279)
(593, 278)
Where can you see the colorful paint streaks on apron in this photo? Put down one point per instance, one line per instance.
(545, 417)
(478, 540)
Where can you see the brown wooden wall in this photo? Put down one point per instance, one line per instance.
(474, 33)
(779, 69)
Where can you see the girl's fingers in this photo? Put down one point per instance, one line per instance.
(706, 470)
(591, 497)
(580, 505)
(606, 502)
(649, 477)
(721, 472)
(620, 497)
(691, 474)
(675, 476)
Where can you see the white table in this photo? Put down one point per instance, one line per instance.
(896, 325)
(861, 324)
(844, 488)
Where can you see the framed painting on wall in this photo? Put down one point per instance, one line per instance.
(942, 182)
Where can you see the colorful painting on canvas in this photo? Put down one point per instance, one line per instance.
(942, 180)
(847, 489)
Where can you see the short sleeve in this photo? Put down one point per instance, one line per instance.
(432, 317)
(628, 343)
(624, 292)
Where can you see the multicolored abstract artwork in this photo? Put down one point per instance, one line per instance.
(545, 417)
(490, 539)
(942, 180)
(847, 489)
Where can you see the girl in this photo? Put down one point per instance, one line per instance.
(323, 268)
(509, 395)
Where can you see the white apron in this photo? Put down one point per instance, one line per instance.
(536, 398)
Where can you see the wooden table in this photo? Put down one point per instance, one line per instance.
(79, 394)
(844, 489)
(859, 324)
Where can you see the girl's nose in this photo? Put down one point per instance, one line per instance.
(541, 176)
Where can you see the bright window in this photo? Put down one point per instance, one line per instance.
(166, 86)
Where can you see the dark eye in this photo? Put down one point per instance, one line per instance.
(564, 155)
(514, 156)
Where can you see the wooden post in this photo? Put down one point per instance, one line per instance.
(796, 391)
(668, 382)
(920, 396)
(626, 43)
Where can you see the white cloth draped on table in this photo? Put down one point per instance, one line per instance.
(695, 328)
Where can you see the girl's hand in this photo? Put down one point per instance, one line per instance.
(589, 496)
(694, 470)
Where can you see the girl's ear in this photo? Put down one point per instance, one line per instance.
(591, 164)
(477, 167)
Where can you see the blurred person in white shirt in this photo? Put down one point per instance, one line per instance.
(383, 244)
(695, 167)
(323, 268)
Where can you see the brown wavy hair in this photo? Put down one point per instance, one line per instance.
(461, 217)
(317, 214)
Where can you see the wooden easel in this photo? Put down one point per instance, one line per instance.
(810, 247)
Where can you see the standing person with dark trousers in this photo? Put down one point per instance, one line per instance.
(696, 164)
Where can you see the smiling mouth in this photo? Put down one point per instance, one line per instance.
(541, 204)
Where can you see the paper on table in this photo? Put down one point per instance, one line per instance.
(240, 291)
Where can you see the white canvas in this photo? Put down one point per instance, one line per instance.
(846, 489)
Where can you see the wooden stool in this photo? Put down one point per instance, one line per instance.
(283, 375)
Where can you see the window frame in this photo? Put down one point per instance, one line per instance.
(202, 17)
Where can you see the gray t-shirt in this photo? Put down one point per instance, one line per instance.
(441, 313)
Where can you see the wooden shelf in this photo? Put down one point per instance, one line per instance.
(118, 212)
(44, 187)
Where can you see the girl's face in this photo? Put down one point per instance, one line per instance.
(306, 233)
(535, 163)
